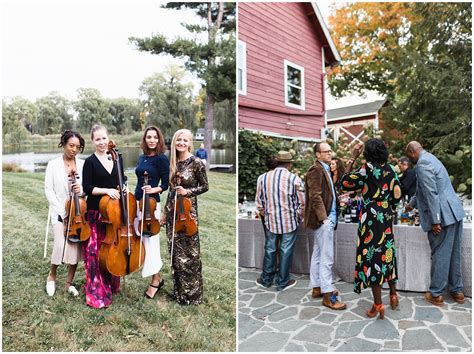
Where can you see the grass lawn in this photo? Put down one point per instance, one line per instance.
(32, 321)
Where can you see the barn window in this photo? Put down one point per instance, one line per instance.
(294, 85)
(242, 67)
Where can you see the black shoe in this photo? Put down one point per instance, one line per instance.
(291, 283)
(158, 287)
(259, 282)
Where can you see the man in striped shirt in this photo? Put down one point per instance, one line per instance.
(280, 202)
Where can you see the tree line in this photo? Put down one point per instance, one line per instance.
(166, 98)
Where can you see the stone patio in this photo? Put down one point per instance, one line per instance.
(291, 321)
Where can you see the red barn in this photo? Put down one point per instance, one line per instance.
(283, 50)
(351, 120)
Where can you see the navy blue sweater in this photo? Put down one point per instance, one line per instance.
(158, 168)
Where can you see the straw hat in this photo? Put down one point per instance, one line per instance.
(284, 156)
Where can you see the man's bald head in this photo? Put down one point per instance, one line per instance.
(413, 151)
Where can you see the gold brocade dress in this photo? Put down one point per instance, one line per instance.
(186, 263)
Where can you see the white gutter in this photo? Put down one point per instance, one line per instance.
(326, 32)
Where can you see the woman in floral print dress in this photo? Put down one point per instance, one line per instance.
(376, 259)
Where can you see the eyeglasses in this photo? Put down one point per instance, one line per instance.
(324, 152)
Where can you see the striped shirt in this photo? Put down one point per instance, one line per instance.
(280, 195)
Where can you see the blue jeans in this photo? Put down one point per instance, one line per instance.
(446, 259)
(270, 266)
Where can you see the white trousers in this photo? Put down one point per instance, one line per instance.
(322, 258)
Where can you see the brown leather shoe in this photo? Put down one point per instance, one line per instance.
(317, 293)
(330, 300)
(438, 301)
(458, 297)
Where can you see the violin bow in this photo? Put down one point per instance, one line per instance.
(47, 231)
(68, 225)
(141, 231)
(174, 224)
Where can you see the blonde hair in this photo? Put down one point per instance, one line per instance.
(173, 155)
(95, 128)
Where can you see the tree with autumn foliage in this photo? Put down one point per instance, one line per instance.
(417, 55)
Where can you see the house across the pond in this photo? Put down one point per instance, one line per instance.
(283, 51)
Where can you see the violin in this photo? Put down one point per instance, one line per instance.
(184, 220)
(148, 224)
(76, 228)
(122, 251)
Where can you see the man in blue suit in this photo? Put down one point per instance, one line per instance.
(441, 215)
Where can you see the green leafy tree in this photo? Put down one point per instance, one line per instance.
(53, 114)
(18, 117)
(225, 119)
(92, 108)
(418, 55)
(168, 100)
(254, 148)
(125, 114)
(213, 61)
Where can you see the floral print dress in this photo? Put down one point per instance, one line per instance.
(376, 257)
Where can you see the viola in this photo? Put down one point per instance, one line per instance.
(148, 224)
(76, 228)
(122, 251)
(184, 220)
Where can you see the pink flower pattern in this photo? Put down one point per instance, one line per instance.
(99, 285)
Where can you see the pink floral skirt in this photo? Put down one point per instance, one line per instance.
(99, 285)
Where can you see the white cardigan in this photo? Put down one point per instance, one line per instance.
(57, 187)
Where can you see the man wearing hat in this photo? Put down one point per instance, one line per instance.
(321, 216)
(280, 201)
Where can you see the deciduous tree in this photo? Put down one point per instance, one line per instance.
(418, 55)
(92, 108)
(54, 114)
(168, 100)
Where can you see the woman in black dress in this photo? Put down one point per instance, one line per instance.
(376, 256)
(100, 176)
(184, 249)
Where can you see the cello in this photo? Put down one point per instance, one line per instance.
(121, 251)
(76, 228)
(148, 225)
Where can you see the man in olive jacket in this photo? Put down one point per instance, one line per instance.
(321, 217)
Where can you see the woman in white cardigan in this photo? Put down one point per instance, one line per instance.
(57, 189)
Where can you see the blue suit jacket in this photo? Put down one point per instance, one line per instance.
(435, 198)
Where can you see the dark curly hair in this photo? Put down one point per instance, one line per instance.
(375, 151)
(68, 134)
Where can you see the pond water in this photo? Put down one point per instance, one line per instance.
(36, 161)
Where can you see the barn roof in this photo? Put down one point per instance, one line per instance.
(332, 56)
(354, 111)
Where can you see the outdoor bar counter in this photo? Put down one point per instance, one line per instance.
(413, 253)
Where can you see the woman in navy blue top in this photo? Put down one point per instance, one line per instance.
(157, 165)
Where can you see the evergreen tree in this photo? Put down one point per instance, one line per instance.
(213, 61)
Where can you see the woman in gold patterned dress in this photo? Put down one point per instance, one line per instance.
(184, 249)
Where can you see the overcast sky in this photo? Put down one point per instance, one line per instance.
(66, 46)
(58, 46)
